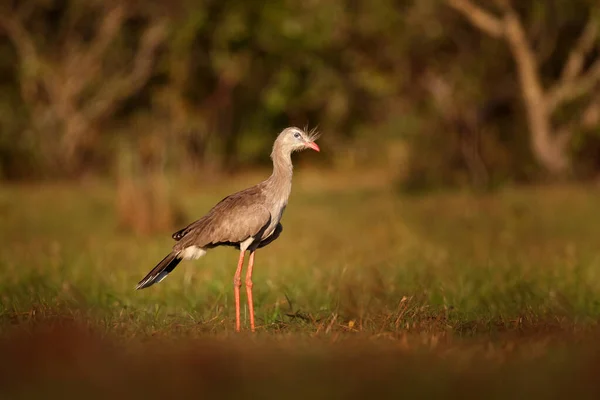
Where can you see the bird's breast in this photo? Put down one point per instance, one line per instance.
(276, 215)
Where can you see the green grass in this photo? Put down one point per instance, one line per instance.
(467, 289)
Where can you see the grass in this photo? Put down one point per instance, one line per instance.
(365, 292)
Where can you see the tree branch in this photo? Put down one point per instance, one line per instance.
(109, 28)
(526, 62)
(574, 82)
(479, 17)
(33, 68)
(21, 39)
(570, 90)
(583, 46)
(124, 86)
(587, 119)
(590, 117)
(82, 65)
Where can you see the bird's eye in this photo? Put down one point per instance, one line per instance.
(297, 135)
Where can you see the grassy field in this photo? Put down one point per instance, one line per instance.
(366, 292)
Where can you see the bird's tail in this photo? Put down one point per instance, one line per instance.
(159, 272)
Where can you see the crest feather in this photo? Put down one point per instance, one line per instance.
(312, 134)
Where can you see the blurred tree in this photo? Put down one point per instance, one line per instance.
(75, 69)
(206, 84)
(578, 80)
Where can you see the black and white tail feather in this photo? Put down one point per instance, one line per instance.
(159, 272)
(169, 263)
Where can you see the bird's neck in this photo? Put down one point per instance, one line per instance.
(281, 178)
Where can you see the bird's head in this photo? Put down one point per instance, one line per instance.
(295, 139)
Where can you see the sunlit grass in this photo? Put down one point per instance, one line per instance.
(361, 279)
(370, 258)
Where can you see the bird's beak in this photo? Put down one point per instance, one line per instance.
(313, 146)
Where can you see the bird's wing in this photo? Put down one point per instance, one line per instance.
(234, 219)
(274, 235)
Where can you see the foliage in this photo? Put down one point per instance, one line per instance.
(224, 77)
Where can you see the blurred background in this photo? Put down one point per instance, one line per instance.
(460, 148)
(441, 93)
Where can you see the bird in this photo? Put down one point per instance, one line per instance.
(246, 220)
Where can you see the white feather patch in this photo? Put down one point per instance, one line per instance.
(246, 243)
(161, 276)
(191, 253)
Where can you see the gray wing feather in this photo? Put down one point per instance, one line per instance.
(234, 219)
(273, 237)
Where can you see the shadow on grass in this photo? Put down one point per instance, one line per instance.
(62, 357)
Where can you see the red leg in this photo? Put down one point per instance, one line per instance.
(237, 283)
(249, 289)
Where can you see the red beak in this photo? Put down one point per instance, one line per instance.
(313, 146)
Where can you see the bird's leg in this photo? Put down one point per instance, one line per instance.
(237, 283)
(249, 289)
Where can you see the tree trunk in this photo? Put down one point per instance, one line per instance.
(546, 146)
(75, 132)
